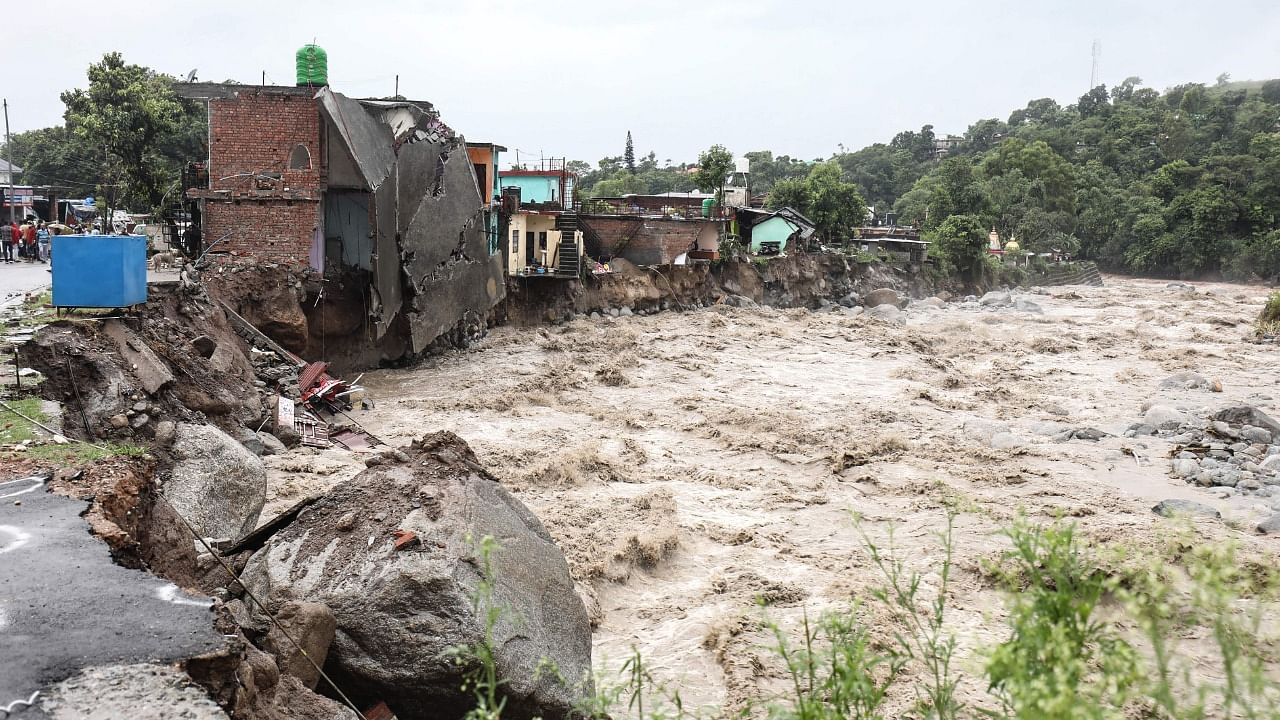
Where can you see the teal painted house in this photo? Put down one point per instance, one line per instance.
(773, 232)
(540, 187)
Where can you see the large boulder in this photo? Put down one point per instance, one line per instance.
(996, 298)
(394, 554)
(883, 296)
(216, 484)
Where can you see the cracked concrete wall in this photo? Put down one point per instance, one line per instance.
(444, 240)
(430, 229)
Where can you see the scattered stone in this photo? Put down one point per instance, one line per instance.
(624, 312)
(1087, 433)
(397, 613)
(312, 625)
(204, 345)
(250, 440)
(119, 422)
(1222, 429)
(1175, 506)
(346, 522)
(1247, 415)
(139, 420)
(932, 302)
(140, 406)
(1185, 468)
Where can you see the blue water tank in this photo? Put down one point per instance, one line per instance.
(99, 271)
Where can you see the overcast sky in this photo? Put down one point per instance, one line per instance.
(798, 77)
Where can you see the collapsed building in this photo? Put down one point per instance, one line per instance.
(378, 198)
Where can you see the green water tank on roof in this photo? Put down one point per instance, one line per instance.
(707, 205)
(313, 65)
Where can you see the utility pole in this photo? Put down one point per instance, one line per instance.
(8, 150)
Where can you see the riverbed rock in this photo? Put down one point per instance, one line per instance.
(996, 298)
(1164, 417)
(887, 313)
(216, 484)
(1255, 434)
(271, 445)
(1248, 415)
(1270, 526)
(310, 624)
(398, 612)
(1027, 306)
(1174, 507)
(882, 296)
(1187, 381)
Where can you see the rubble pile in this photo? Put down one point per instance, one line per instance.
(1235, 451)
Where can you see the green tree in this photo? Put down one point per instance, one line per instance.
(129, 113)
(629, 154)
(837, 208)
(714, 165)
(960, 241)
(791, 192)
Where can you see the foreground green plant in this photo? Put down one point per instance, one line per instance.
(1235, 608)
(1062, 660)
(925, 640)
(481, 675)
(836, 673)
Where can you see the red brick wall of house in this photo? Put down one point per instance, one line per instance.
(251, 136)
(657, 241)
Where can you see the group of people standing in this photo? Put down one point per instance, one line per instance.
(28, 241)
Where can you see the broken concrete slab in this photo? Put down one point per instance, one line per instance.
(151, 371)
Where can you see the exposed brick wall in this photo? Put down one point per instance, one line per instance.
(253, 134)
(275, 230)
(657, 241)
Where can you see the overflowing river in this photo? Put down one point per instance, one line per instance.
(690, 463)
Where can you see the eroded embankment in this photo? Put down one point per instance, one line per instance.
(794, 281)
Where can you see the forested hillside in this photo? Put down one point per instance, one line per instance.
(1180, 183)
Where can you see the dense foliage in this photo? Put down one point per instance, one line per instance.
(1182, 183)
(126, 138)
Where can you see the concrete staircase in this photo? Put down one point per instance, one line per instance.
(1080, 273)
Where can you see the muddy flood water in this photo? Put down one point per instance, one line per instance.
(691, 463)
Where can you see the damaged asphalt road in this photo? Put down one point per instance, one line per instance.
(64, 605)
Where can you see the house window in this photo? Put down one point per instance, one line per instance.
(300, 158)
(515, 241)
(542, 240)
